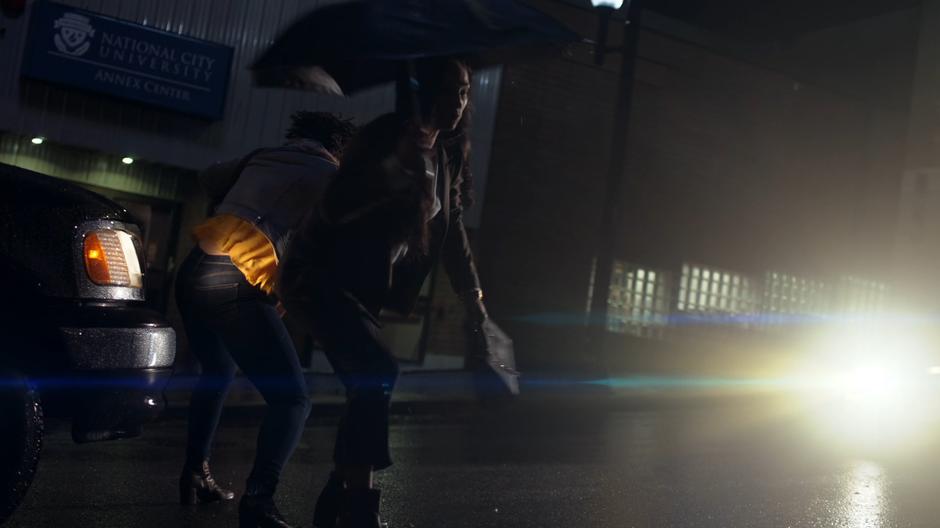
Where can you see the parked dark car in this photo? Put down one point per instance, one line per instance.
(75, 336)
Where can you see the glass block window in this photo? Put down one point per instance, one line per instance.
(639, 300)
(861, 296)
(786, 294)
(710, 290)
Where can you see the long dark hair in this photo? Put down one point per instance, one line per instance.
(376, 142)
(456, 144)
(418, 85)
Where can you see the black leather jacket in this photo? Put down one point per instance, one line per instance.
(353, 235)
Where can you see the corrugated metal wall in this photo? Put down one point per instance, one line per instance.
(253, 116)
(92, 168)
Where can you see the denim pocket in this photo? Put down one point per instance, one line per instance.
(210, 295)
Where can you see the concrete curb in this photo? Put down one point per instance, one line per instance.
(443, 393)
(427, 388)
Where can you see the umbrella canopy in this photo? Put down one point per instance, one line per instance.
(343, 48)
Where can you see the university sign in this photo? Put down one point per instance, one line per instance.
(93, 52)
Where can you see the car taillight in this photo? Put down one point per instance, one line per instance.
(111, 259)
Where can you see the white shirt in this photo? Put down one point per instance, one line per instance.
(430, 171)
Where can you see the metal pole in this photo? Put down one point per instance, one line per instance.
(611, 216)
(600, 45)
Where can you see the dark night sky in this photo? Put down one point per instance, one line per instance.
(774, 19)
(763, 20)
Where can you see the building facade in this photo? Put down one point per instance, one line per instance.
(763, 178)
(764, 171)
(87, 131)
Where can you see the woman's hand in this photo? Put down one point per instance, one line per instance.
(414, 144)
(407, 168)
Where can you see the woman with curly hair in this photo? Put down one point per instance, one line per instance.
(225, 294)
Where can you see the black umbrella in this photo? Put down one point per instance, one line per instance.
(343, 48)
(496, 370)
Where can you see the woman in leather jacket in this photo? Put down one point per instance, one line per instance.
(393, 209)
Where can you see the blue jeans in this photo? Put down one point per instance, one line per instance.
(229, 324)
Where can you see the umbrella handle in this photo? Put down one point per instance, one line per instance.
(407, 90)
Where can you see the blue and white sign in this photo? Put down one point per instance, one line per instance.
(97, 53)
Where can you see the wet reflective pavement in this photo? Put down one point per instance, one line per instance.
(754, 464)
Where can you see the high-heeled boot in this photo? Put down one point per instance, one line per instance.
(259, 511)
(360, 509)
(197, 485)
(328, 503)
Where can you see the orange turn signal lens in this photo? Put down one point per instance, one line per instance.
(111, 259)
(96, 263)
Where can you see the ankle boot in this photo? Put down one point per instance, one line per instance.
(197, 485)
(360, 509)
(328, 503)
(259, 511)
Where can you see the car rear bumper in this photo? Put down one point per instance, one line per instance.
(119, 348)
(115, 337)
(119, 358)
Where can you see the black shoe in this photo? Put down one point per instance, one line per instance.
(197, 485)
(327, 509)
(259, 511)
(360, 509)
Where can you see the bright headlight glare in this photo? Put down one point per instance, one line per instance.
(867, 384)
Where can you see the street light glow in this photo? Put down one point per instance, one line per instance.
(127, 160)
(613, 4)
(37, 140)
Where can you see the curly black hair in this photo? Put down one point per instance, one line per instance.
(332, 130)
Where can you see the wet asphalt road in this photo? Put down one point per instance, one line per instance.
(758, 464)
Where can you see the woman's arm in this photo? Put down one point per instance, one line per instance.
(461, 270)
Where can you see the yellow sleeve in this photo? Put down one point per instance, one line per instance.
(250, 250)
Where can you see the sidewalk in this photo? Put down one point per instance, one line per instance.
(326, 388)
(452, 392)
(438, 381)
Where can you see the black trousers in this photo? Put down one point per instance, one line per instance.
(229, 324)
(349, 334)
